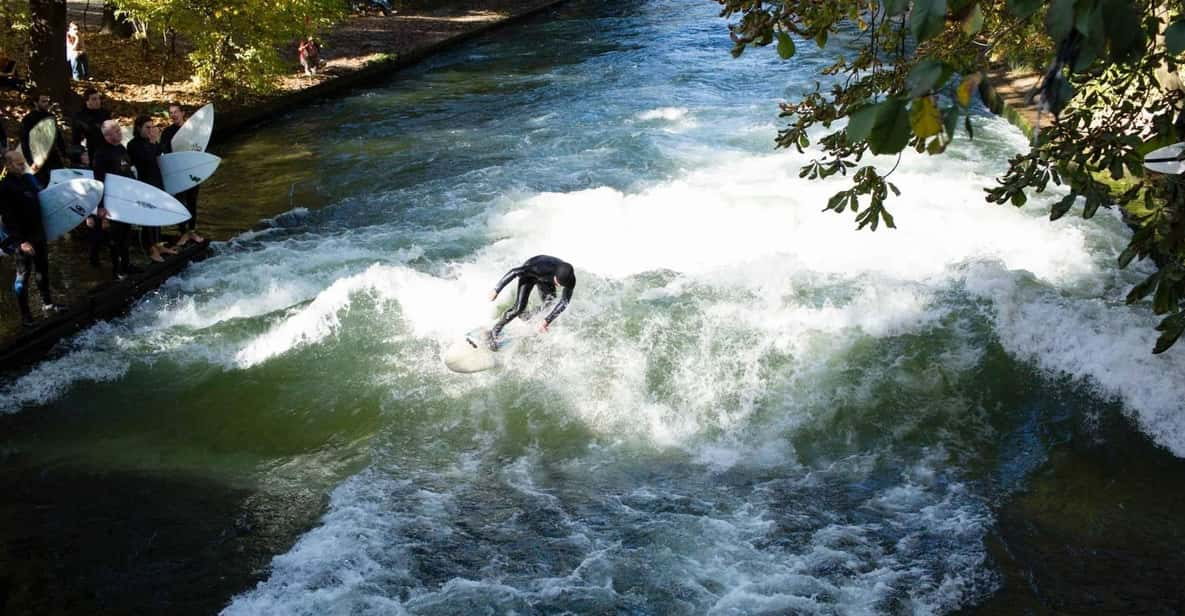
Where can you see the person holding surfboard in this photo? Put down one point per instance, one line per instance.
(187, 229)
(144, 152)
(540, 271)
(22, 219)
(53, 152)
(112, 158)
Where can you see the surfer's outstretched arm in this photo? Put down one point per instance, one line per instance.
(511, 275)
(560, 306)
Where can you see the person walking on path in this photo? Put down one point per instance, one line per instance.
(310, 55)
(76, 53)
(187, 229)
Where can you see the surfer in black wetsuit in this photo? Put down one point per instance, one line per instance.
(187, 229)
(21, 211)
(539, 271)
(112, 158)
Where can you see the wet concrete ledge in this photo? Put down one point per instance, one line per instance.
(105, 301)
(1005, 92)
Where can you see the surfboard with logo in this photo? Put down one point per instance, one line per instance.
(184, 170)
(137, 203)
(65, 205)
(41, 140)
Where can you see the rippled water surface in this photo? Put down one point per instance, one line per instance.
(748, 408)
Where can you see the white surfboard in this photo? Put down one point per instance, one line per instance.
(65, 205)
(137, 203)
(58, 176)
(41, 138)
(1164, 161)
(194, 135)
(472, 353)
(184, 170)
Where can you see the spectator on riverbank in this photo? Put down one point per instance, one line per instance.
(57, 153)
(144, 152)
(76, 53)
(21, 212)
(187, 229)
(112, 158)
(88, 122)
(310, 55)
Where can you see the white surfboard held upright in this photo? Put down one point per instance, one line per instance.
(41, 139)
(65, 205)
(58, 176)
(137, 203)
(184, 170)
(194, 135)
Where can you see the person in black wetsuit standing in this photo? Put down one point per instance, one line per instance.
(112, 158)
(539, 271)
(187, 229)
(21, 211)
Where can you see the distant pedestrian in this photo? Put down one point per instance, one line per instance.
(76, 53)
(187, 229)
(310, 55)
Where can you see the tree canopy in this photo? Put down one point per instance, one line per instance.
(904, 73)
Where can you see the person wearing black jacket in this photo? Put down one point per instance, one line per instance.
(539, 271)
(57, 153)
(21, 212)
(88, 122)
(187, 229)
(144, 152)
(112, 158)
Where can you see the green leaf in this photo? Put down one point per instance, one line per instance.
(821, 38)
(967, 125)
(927, 75)
(861, 121)
(1124, 31)
(1059, 21)
(1088, 17)
(1092, 206)
(891, 132)
(974, 22)
(927, 19)
(1126, 257)
(967, 87)
(1172, 327)
(924, 117)
(895, 7)
(785, 46)
(1141, 290)
(1174, 37)
(1022, 9)
(951, 121)
(1061, 207)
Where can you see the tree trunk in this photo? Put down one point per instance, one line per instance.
(114, 24)
(48, 71)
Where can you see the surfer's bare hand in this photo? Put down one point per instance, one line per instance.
(27, 248)
(543, 327)
(101, 212)
(493, 295)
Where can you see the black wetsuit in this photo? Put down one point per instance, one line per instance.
(144, 154)
(57, 154)
(21, 212)
(112, 159)
(88, 124)
(539, 271)
(189, 197)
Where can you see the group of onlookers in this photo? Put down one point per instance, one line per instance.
(96, 143)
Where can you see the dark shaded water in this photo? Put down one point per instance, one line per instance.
(750, 408)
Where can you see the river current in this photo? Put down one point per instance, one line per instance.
(749, 406)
